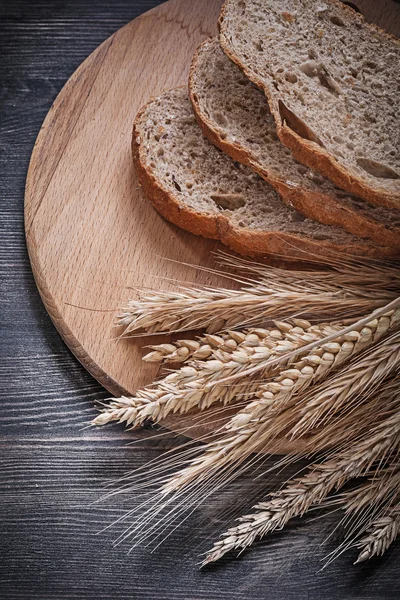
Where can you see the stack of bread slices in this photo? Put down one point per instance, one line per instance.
(286, 141)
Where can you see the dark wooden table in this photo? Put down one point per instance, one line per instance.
(52, 469)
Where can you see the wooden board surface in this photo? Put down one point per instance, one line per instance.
(91, 234)
(51, 468)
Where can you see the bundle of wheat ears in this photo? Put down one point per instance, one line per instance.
(310, 357)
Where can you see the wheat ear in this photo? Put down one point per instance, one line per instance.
(278, 294)
(347, 288)
(201, 348)
(372, 279)
(358, 381)
(391, 310)
(163, 312)
(288, 335)
(380, 534)
(253, 427)
(358, 419)
(302, 493)
(185, 388)
(383, 485)
(368, 502)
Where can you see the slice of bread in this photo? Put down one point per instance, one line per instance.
(196, 186)
(333, 86)
(234, 114)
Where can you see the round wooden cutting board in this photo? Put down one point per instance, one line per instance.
(91, 234)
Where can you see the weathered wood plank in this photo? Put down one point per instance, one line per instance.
(52, 470)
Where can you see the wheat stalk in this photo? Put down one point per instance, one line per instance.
(289, 334)
(225, 355)
(275, 371)
(361, 417)
(320, 362)
(165, 312)
(392, 310)
(382, 483)
(355, 276)
(209, 345)
(386, 405)
(349, 290)
(380, 534)
(253, 427)
(200, 349)
(302, 493)
(294, 380)
(367, 503)
(359, 380)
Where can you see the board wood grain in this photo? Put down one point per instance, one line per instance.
(52, 469)
(92, 236)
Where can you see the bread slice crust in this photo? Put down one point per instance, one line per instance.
(249, 242)
(309, 200)
(308, 151)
